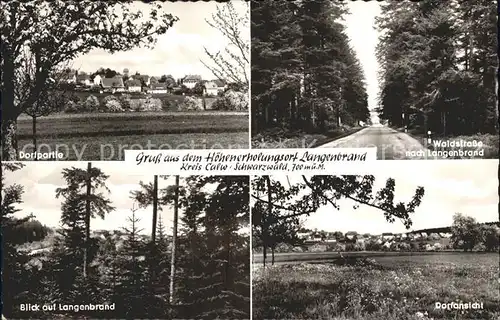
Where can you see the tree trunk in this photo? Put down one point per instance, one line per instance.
(155, 209)
(174, 240)
(9, 112)
(153, 252)
(264, 220)
(272, 255)
(33, 125)
(87, 220)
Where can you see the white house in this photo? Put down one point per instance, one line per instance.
(133, 85)
(97, 80)
(191, 80)
(158, 88)
(212, 88)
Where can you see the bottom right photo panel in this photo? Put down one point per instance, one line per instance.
(409, 240)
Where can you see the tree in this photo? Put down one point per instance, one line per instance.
(233, 62)
(199, 88)
(435, 61)
(52, 98)
(133, 293)
(491, 237)
(466, 232)
(174, 240)
(215, 267)
(305, 75)
(303, 198)
(36, 26)
(14, 275)
(83, 186)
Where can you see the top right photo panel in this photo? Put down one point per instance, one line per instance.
(415, 79)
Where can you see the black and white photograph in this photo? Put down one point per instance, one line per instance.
(88, 80)
(89, 241)
(415, 79)
(391, 245)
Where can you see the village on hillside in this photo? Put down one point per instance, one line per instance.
(110, 81)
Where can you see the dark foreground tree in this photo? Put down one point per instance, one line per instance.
(215, 279)
(305, 75)
(438, 66)
(84, 188)
(57, 32)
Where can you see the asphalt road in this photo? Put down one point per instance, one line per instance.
(391, 144)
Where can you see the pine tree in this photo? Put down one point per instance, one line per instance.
(82, 188)
(132, 295)
(16, 286)
(215, 264)
(303, 68)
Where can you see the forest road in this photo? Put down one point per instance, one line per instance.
(391, 144)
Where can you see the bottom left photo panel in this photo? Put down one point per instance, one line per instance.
(88, 240)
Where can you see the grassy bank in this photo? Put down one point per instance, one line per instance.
(370, 291)
(281, 139)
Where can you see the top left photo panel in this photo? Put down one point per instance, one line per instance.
(86, 81)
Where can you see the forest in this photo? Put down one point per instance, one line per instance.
(306, 77)
(438, 62)
(200, 270)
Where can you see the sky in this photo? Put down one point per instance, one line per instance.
(465, 186)
(41, 179)
(178, 51)
(363, 37)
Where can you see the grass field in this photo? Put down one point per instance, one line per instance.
(279, 139)
(105, 136)
(385, 288)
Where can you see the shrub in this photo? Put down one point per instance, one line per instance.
(232, 101)
(113, 106)
(373, 245)
(190, 104)
(137, 105)
(152, 104)
(72, 107)
(404, 246)
(335, 247)
(91, 104)
(125, 101)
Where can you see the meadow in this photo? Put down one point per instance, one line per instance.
(378, 288)
(83, 135)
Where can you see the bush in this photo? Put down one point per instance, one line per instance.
(170, 105)
(335, 247)
(232, 101)
(373, 245)
(125, 101)
(404, 246)
(137, 105)
(91, 104)
(72, 107)
(152, 104)
(190, 104)
(113, 106)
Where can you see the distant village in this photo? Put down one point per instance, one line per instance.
(110, 81)
(434, 238)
